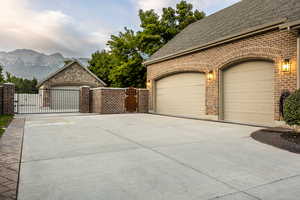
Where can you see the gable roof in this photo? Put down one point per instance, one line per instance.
(236, 19)
(65, 67)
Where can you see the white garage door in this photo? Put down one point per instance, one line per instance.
(65, 98)
(181, 94)
(248, 93)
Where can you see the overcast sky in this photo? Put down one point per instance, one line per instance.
(76, 28)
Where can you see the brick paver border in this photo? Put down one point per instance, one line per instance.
(10, 157)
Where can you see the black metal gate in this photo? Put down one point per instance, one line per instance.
(47, 101)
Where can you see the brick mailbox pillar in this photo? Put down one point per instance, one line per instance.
(8, 98)
(84, 101)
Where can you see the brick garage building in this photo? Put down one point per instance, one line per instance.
(73, 74)
(233, 65)
(69, 79)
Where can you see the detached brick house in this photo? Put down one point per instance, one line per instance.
(232, 65)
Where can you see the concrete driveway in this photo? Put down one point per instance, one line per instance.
(148, 157)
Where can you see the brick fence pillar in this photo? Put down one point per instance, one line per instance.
(84, 101)
(8, 98)
(46, 96)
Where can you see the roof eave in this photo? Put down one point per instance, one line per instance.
(249, 32)
(291, 25)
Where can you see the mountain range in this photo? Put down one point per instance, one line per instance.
(27, 63)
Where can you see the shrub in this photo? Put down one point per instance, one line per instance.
(291, 109)
(4, 122)
(1, 132)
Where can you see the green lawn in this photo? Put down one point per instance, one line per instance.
(4, 122)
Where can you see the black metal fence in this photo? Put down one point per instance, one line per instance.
(47, 101)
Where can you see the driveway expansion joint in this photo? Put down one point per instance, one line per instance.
(273, 182)
(181, 163)
(254, 187)
(79, 156)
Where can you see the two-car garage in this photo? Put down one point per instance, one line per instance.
(246, 94)
(249, 53)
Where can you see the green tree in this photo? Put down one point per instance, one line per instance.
(2, 79)
(186, 15)
(157, 31)
(101, 64)
(129, 70)
(22, 85)
(122, 65)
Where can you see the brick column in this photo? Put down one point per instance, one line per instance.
(8, 98)
(46, 96)
(84, 101)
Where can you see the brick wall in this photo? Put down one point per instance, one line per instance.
(112, 100)
(274, 46)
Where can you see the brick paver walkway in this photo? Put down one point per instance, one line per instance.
(10, 151)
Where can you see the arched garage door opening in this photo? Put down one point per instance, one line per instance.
(248, 93)
(65, 98)
(181, 94)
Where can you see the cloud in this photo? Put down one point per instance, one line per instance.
(47, 31)
(206, 5)
(157, 5)
(51, 31)
(212, 5)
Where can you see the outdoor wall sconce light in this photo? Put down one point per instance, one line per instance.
(286, 66)
(148, 84)
(210, 75)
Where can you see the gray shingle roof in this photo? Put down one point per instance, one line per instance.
(232, 20)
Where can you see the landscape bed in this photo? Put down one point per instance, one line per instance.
(280, 138)
(4, 122)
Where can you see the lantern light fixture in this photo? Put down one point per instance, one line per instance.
(286, 66)
(210, 75)
(148, 84)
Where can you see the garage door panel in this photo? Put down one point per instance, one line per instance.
(181, 94)
(65, 97)
(252, 117)
(249, 110)
(248, 93)
(248, 98)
